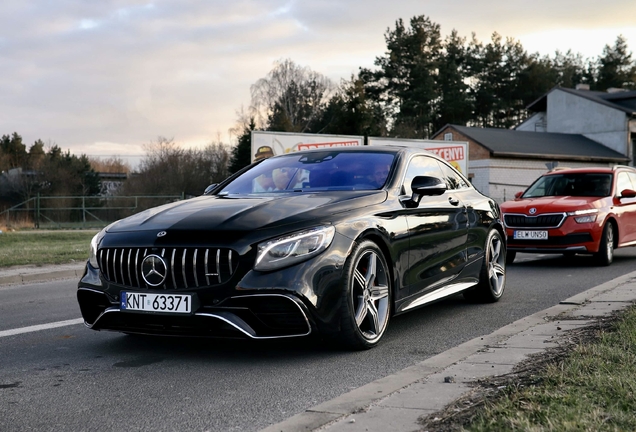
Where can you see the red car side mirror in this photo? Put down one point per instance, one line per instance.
(628, 193)
(518, 195)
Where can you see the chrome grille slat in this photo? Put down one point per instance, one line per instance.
(106, 264)
(218, 262)
(229, 259)
(183, 268)
(128, 267)
(207, 270)
(172, 269)
(121, 266)
(189, 267)
(194, 270)
(115, 266)
(136, 271)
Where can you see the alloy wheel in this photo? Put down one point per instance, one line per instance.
(370, 295)
(496, 265)
(610, 242)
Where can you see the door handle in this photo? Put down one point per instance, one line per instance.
(453, 201)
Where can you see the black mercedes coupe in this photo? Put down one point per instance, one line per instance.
(330, 241)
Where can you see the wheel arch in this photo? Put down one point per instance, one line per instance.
(612, 219)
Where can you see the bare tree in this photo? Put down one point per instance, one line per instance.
(290, 97)
(168, 169)
(113, 164)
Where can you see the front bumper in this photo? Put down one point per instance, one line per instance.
(569, 237)
(258, 316)
(290, 302)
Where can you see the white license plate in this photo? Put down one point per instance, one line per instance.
(147, 302)
(531, 235)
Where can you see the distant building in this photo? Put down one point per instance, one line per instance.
(111, 183)
(574, 128)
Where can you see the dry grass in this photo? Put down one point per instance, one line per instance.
(44, 247)
(16, 225)
(587, 385)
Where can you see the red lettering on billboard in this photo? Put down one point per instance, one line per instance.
(310, 146)
(452, 153)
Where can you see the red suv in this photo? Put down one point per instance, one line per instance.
(570, 211)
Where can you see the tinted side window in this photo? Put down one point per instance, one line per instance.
(453, 179)
(420, 166)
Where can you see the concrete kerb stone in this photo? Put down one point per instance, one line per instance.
(490, 355)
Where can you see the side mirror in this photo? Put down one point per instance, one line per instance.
(210, 188)
(628, 193)
(426, 186)
(518, 194)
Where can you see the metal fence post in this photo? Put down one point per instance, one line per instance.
(37, 211)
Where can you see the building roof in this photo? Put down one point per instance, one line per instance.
(539, 145)
(621, 100)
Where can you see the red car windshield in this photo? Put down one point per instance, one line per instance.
(579, 184)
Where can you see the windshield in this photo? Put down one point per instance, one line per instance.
(580, 184)
(329, 170)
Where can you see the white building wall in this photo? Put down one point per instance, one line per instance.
(500, 179)
(571, 114)
(535, 123)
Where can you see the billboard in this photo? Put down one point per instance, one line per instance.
(266, 144)
(454, 152)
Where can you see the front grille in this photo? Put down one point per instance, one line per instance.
(542, 221)
(186, 267)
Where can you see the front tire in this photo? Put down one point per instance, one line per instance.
(366, 298)
(605, 254)
(492, 279)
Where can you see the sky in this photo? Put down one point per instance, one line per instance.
(105, 77)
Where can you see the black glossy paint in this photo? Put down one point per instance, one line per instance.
(427, 246)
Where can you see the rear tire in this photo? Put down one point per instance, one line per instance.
(366, 298)
(605, 254)
(492, 279)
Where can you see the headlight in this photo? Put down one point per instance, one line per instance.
(294, 248)
(584, 216)
(92, 257)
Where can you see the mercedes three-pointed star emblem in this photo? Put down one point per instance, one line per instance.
(154, 270)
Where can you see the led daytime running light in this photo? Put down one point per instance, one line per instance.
(582, 212)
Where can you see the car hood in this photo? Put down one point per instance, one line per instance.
(551, 204)
(207, 213)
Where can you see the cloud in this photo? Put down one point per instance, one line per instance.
(114, 74)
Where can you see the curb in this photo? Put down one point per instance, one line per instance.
(373, 400)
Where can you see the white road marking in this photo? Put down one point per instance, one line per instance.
(39, 327)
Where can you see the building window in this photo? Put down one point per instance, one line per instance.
(448, 136)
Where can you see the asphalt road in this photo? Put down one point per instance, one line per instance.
(72, 378)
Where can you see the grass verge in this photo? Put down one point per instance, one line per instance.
(44, 247)
(590, 385)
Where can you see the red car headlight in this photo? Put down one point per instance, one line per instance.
(584, 216)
